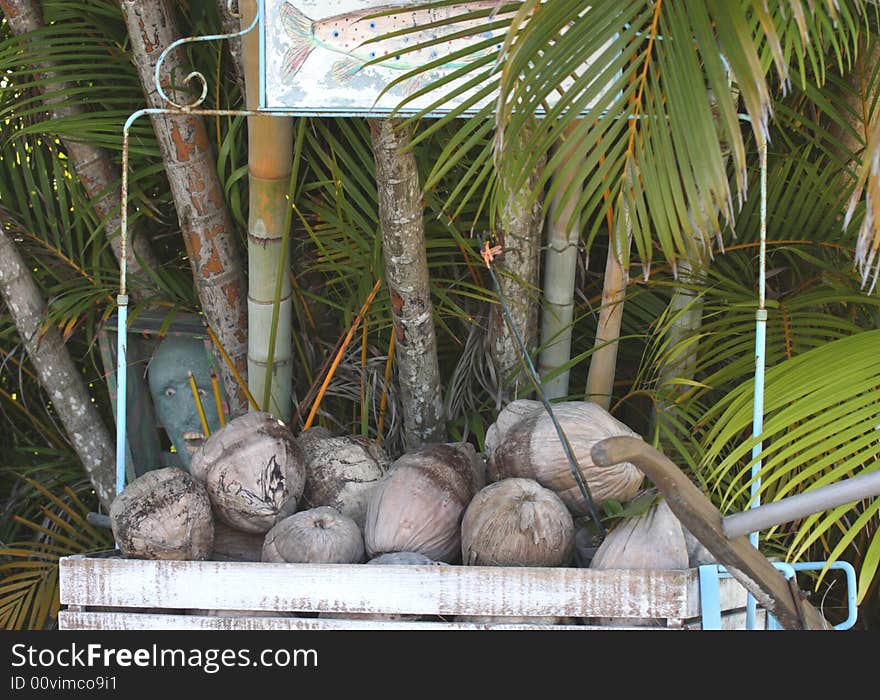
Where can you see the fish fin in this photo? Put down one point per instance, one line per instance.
(295, 23)
(345, 69)
(294, 59)
(411, 85)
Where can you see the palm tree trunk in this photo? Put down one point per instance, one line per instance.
(401, 218)
(100, 177)
(603, 362)
(59, 377)
(205, 222)
(559, 275)
(521, 226)
(270, 153)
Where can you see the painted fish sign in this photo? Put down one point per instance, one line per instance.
(328, 57)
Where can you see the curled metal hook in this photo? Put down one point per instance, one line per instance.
(196, 75)
(232, 13)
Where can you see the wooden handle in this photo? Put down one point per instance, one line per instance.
(697, 513)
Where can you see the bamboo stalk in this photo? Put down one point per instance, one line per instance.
(270, 302)
(603, 362)
(560, 270)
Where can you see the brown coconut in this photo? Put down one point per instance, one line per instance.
(531, 449)
(418, 505)
(319, 535)
(341, 471)
(517, 522)
(163, 514)
(254, 472)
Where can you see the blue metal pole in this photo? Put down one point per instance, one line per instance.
(760, 358)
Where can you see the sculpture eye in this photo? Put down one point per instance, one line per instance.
(170, 391)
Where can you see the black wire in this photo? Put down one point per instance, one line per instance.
(536, 381)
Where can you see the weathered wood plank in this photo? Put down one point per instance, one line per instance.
(338, 588)
(134, 621)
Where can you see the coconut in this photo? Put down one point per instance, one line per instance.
(509, 416)
(418, 505)
(341, 471)
(531, 449)
(517, 522)
(234, 545)
(653, 540)
(319, 535)
(163, 514)
(405, 559)
(254, 472)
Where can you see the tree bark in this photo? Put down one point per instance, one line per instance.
(99, 175)
(59, 377)
(231, 25)
(191, 166)
(270, 154)
(520, 264)
(406, 273)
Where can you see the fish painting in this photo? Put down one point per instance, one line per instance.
(347, 33)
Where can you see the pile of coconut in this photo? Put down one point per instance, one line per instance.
(256, 492)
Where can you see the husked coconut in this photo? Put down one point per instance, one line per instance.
(509, 416)
(163, 514)
(254, 472)
(234, 545)
(517, 522)
(654, 540)
(531, 449)
(341, 471)
(418, 505)
(319, 535)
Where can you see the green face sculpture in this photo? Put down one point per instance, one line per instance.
(172, 394)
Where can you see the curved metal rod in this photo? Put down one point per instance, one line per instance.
(233, 13)
(196, 75)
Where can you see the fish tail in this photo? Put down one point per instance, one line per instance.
(295, 23)
(300, 29)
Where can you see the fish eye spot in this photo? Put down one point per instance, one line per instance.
(372, 25)
(336, 33)
(372, 54)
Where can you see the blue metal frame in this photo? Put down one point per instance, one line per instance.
(710, 592)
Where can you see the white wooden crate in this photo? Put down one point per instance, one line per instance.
(105, 591)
